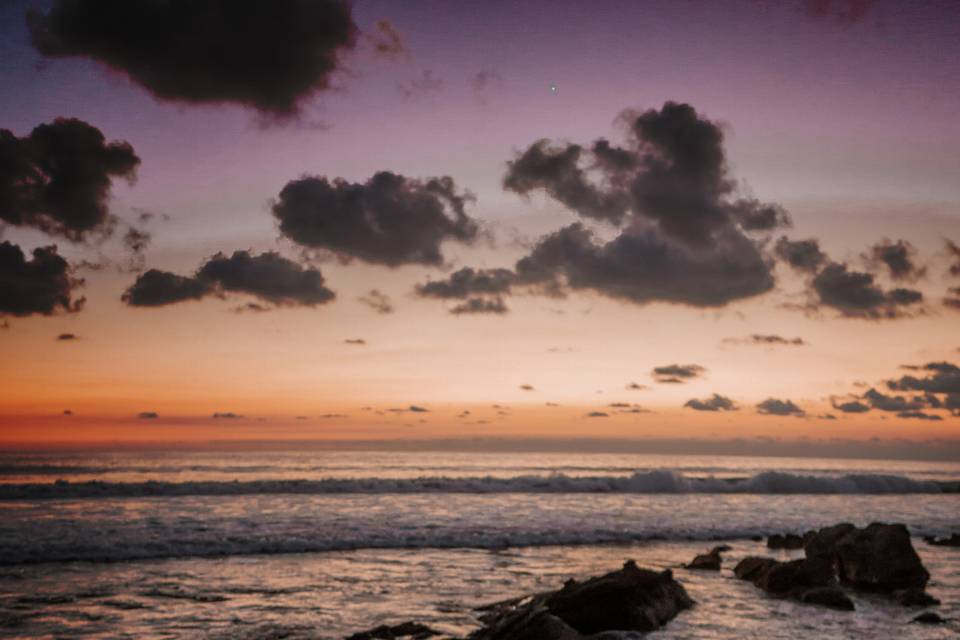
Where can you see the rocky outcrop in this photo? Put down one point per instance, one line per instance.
(631, 599)
(788, 540)
(709, 561)
(404, 631)
(928, 617)
(808, 580)
(878, 558)
(952, 541)
(915, 598)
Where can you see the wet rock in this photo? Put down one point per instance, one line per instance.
(631, 599)
(827, 597)
(751, 567)
(709, 561)
(408, 630)
(915, 598)
(878, 558)
(928, 617)
(787, 541)
(952, 541)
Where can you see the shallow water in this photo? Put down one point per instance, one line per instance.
(320, 564)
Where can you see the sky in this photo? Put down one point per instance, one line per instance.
(375, 221)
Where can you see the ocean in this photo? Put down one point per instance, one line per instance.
(322, 544)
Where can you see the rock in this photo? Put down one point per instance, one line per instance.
(708, 561)
(828, 597)
(751, 567)
(411, 630)
(928, 617)
(631, 599)
(786, 541)
(952, 541)
(878, 558)
(915, 598)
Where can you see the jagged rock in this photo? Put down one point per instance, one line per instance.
(631, 599)
(710, 561)
(410, 630)
(786, 541)
(828, 597)
(878, 558)
(751, 567)
(952, 541)
(928, 617)
(915, 598)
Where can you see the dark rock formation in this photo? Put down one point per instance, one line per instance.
(788, 540)
(408, 630)
(928, 617)
(809, 580)
(952, 541)
(878, 558)
(709, 561)
(631, 599)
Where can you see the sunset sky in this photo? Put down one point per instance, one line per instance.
(274, 249)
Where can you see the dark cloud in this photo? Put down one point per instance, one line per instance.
(469, 282)
(767, 340)
(136, 242)
(952, 300)
(597, 414)
(226, 415)
(66, 337)
(268, 276)
(355, 341)
(856, 295)
(640, 265)
(894, 404)
(42, 285)
(156, 288)
(417, 409)
(633, 386)
(58, 178)
(918, 415)
(850, 406)
(527, 387)
(775, 407)
(557, 171)
(674, 373)
(943, 377)
(67, 412)
(377, 301)
(387, 41)
(494, 306)
(148, 415)
(420, 86)
(269, 56)
(802, 255)
(390, 219)
(900, 259)
(953, 250)
(716, 402)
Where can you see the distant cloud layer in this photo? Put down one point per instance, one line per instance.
(269, 277)
(42, 285)
(716, 402)
(269, 56)
(677, 373)
(58, 178)
(766, 340)
(390, 220)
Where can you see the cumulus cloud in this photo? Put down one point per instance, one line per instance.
(417, 409)
(597, 414)
(716, 402)
(894, 404)
(850, 406)
(148, 415)
(776, 407)
(136, 242)
(527, 387)
(802, 255)
(42, 285)
(379, 302)
(942, 377)
(855, 294)
(268, 277)
(269, 56)
(469, 282)
(58, 178)
(899, 258)
(355, 341)
(389, 220)
(67, 337)
(677, 373)
(918, 415)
